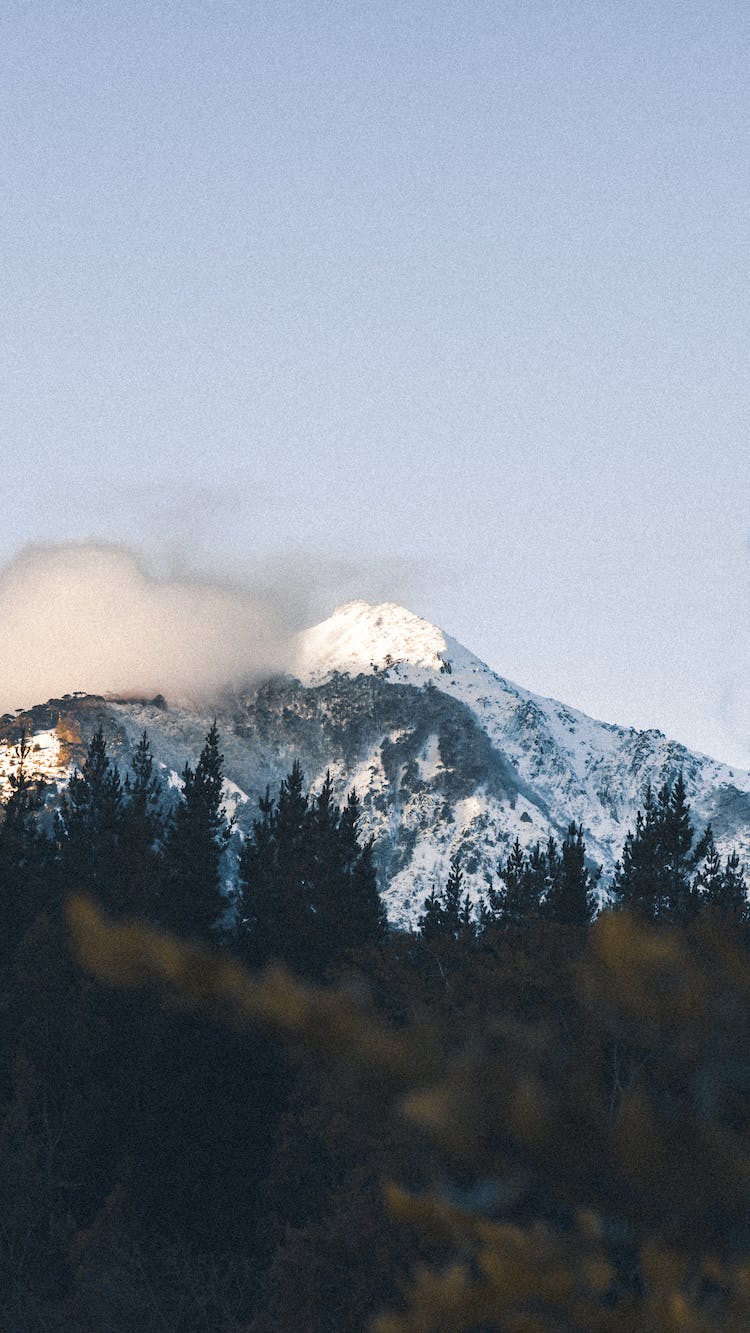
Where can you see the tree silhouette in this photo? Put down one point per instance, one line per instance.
(308, 893)
(193, 900)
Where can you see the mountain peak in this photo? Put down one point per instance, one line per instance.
(359, 637)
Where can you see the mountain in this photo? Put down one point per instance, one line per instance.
(445, 753)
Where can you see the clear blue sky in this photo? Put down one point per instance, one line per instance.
(449, 297)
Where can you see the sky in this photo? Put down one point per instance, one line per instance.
(444, 303)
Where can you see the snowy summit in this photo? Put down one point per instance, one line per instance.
(359, 638)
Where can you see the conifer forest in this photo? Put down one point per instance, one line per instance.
(234, 1100)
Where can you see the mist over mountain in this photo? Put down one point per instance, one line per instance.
(446, 755)
(93, 618)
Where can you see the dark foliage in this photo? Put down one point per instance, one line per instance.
(449, 915)
(665, 874)
(89, 825)
(192, 899)
(511, 1121)
(24, 856)
(308, 894)
(551, 882)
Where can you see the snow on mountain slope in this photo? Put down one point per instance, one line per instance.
(361, 638)
(45, 760)
(577, 767)
(445, 754)
(579, 754)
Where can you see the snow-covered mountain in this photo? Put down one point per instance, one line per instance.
(445, 754)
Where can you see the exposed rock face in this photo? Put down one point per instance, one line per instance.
(72, 746)
(444, 753)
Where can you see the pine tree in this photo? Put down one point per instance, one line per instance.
(143, 793)
(675, 843)
(655, 877)
(430, 924)
(453, 897)
(708, 876)
(193, 902)
(142, 836)
(638, 884)
(287, 928)
(516, 900)
(733, 899)
(722, 889)
(259, 929)
(24, 854)
(569, 899)
(89, 825)
(449, 915)
(358, 904)
(292, 844)
(468, 925)
(308, 891)
(327, 868)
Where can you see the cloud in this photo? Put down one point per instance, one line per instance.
(92, 617)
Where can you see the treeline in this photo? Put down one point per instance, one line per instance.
(135, 1140)
(305, 888)
(666, 873)
(561, 1099)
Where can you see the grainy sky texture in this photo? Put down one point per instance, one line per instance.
(442, 302)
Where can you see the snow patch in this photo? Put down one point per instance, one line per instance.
(44, 761)
(362, 638)
(429, 762)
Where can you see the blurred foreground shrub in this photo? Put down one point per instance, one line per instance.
(585, 1167)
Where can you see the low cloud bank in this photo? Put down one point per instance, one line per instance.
(92, 618)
